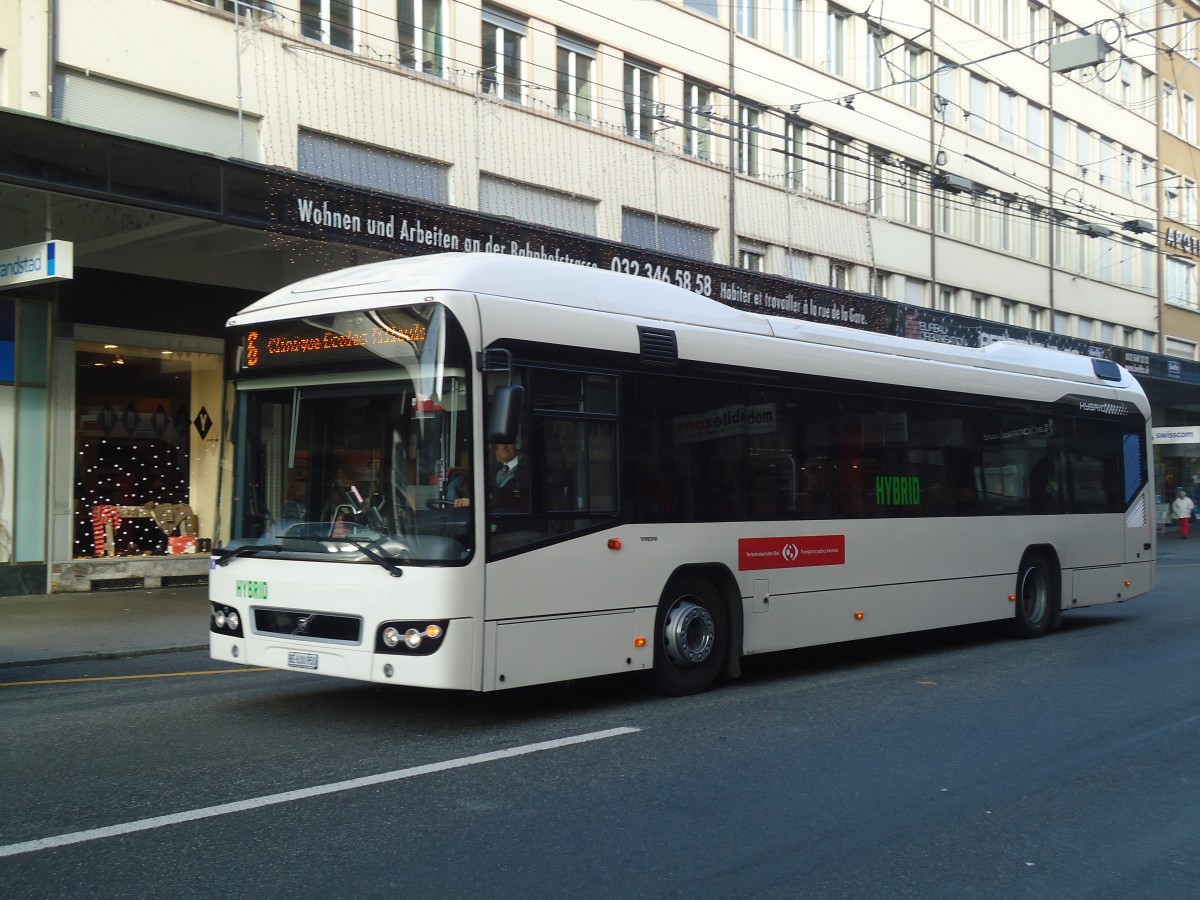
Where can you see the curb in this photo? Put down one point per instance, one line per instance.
(100, 654)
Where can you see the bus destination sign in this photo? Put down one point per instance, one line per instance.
(272, 346)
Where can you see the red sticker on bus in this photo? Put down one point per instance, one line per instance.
(791, 552)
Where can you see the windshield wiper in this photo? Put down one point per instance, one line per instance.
(367, 548)
(248, 550)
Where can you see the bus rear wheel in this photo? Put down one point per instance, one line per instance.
(1037, 596)
(692, 634)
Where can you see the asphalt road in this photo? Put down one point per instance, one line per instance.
(962, 763)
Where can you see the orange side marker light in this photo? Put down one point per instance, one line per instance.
(1012, 598)
(639, 642)
(614, 543)
(858, 616)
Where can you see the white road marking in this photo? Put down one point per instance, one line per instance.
(224, 809)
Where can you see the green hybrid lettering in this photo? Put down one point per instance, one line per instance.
(252, 590)
(897, 490)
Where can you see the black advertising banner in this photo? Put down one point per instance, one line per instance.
(322, 211)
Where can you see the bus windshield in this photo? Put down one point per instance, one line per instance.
(360, 469)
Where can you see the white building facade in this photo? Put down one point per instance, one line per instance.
(991, 168)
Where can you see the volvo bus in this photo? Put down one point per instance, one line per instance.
(478, 472)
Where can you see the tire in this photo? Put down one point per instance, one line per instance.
(1037, 596)
(691, 636)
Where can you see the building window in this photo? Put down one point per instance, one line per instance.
(144, 418)
(794, 135)
(1007, 118)
(747, 17)
(503, 54)
(913, 185)
(876, 48)
(1035, 318)
(751, 257)
(328, 21)
(421, 35)
(651, 232)
(839, 148)
(837, 22)
(945, 212)
(575, 60)
(840, 274)
(1008, 312)
(749, 139)
(979, 220)
(799, 265)
(1034, 140)
(1180, 283)
(1035, 25)
(640, 96)
(947, 93)
(1105, 163)
(793, 27)
(914, 73)
(877, 181)
(978, 117)
(539, 205)
(1083, 150)
(1180, 348)
(1170, 117)
(979, 306)
(1059, 138)
(697, 113)
(946, 299)
(1188, 123)
(708, 7)
(377, 168)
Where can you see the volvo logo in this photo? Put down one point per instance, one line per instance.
(302, 624)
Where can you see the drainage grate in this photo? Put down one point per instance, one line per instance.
(118, 584)
(184, 580)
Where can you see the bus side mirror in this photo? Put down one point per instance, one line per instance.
(505, 419)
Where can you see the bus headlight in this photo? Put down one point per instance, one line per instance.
(411, 638)
(225, 620)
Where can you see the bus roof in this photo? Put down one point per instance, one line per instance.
(583, 287)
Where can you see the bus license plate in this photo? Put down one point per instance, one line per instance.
(302, 660)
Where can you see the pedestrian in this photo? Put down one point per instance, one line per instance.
(1182, 507)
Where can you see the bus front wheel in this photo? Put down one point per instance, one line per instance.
(692, 630)
(1037, 596)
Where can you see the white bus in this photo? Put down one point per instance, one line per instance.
(692, 483)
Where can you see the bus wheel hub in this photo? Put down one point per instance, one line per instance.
(688, 634)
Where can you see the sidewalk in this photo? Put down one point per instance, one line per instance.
(45, 628)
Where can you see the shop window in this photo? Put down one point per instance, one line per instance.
(145, 429)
